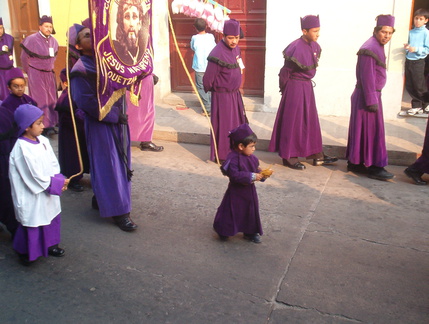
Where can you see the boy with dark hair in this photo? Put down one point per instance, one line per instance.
(417, 49)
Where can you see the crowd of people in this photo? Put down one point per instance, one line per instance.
(32, 179)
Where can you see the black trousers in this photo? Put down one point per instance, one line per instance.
(415, 83)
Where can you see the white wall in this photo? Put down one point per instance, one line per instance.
(345, 26)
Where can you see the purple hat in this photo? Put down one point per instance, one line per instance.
(13, 73)
(73, 32)
(25, 115)
(240, 133)
(310, 21)
(231, 27)
(86, 23)
(47, 19)
(385, 20)
(1, 21)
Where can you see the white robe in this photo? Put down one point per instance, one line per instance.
(31, 166)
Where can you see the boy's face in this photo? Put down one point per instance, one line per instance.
(17, 87)
(84, 41)
(311, 35)
(35, 129)
(247, 150)
(419, 21)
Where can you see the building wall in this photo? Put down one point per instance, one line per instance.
(344, 28)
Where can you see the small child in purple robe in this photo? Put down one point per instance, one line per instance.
(239, 210)
(16, 85)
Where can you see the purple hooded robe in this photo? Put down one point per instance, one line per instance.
(223, 79)
(109, 159)
(38, 57)
(239, 209)
(296, 131)
(6, 62)
(366, 139)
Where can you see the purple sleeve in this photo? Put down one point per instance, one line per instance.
(57, 183)
(210, 76)
(367, 75)
(237, 175)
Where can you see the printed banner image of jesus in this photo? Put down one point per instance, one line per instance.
(132, 30)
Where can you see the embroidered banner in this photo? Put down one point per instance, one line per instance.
(122, 38)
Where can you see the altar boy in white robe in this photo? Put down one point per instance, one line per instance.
(36, 184)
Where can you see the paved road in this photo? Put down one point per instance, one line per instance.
(338, 248)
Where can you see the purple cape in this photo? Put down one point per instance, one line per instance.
(12, 102)
(223, 78)
(104, 142)
(296, 131)
(366, 139)
(6, 62)
(239, 209)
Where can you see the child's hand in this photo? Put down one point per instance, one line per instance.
(258, 176)
(66, 184)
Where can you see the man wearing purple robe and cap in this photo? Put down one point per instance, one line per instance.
(6, 59)
(38, 55)
(296, 131)
(223, 78)
(366, 147)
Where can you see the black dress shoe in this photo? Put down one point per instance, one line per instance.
(255, 238)
(415, 175)
(77, 187)
(149, 146)
(379, 173)
(23, 258)
(325, 160)
(357, 168)
(56, 251)
(295, 166)
(125, 223)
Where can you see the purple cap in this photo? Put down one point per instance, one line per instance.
(231, 28)
(310, 21)
(240, 133)
(25, 115)
(385, 20)
(1, 21)
(73, 32)
(13, 73)
(86, 23)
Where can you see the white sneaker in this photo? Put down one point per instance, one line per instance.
(414, 111)
(427, 109)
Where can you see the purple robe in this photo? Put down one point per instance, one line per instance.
(239, 209)
(67, 149)
(13, 101)
(141, 118)
(7, 140)
(296, 131)
(6, 62)
(38, 57)
(109, 160)
(366, 139)
(223, 79)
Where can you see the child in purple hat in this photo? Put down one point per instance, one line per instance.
(36, 185)
(239, 210)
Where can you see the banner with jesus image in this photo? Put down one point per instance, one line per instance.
(122, 38)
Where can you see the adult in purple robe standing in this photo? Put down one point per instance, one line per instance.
(38, 55)
(109, 159)
(366, 146)
(296, 131)
(6, 59)
(223, 78)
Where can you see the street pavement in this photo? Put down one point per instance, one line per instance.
(337, 248)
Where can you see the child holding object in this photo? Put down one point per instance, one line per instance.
(239, 210)
(36, 184)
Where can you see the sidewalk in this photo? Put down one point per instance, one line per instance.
(178, 119)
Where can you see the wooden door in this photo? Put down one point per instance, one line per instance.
(24, 16)
(251, 14)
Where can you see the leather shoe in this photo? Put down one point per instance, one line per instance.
(415, 175)
(295, 166)
(255, 238)
(125, 223)
(325, 160)
(149, 146)
(77, 187)
(23, 258)
(56, 251)
(379, 173)
(357, 168)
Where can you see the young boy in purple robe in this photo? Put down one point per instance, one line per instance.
(239, 210)
(223, 78)
(16, 85)
(38, 55)
(36, 185)
(366, 146)
(296, 131)
(6, 59)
